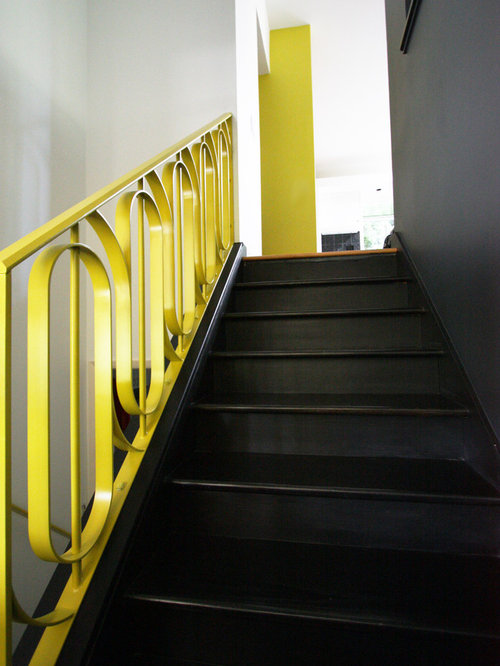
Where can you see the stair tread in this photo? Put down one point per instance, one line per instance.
(414, 589)
(340, 353)
(335, 403)
(146, 658)
(312, 282)
(348, 615)
(321, 256)
(360, 312)
(430, 478)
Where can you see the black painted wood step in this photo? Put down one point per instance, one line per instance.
(369, 522)
(302, 282)
(396, 478)
(335, 403)
(364, 371)
(406, 588)
(144, 658)
(314, 295)
(327, 353)
(223, 635)
(375, 264)
(331, 329)
(233, 601)
(300, 314)
(232, 427)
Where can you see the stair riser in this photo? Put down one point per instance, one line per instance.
(225, 637)
(326, 375)
(342, 580)
(323, 333)
(435, 527)
(326, 434)
(320, 297)
(321, 268)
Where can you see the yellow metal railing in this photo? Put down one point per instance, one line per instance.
(181, 205)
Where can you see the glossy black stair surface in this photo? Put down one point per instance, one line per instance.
(331, 506)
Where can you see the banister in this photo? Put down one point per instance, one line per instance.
(182, 200)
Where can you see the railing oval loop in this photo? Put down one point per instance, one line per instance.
(123, 307)
(180, 292)
(225, 188)
(57, 616)
(159, 341)
(39, 476)
(192, 196)
(205, 158)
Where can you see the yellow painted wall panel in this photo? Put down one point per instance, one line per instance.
(287, 145)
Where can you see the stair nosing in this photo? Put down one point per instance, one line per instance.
(283, 611)
(311, 282)
(328, 352)
(334, 353)
(360, 312)
(323, 256)
(329, 409)
(334, 492)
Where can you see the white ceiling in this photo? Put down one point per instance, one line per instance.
(350, 84)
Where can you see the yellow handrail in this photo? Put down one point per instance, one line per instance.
(23, 248)
(182, 199)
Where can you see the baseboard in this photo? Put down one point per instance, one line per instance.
(483, 452)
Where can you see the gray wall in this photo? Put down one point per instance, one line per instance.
(445, 95)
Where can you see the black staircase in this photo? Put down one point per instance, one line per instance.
(325, 512)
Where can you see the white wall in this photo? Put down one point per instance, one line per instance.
(350, 82)
(252, 41)
(161, 69)
(345, 203)
(42, 172)
(338, 208)
(263, 37)
(90, 89)
(157, 71)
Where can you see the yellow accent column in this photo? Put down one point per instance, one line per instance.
(287, 145)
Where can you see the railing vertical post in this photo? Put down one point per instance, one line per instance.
(230, 181)
(5, 471)
(179, 221)
(142, 311)
(76, 525)
(203, 216)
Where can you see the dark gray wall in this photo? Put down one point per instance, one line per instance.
(445, 117)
